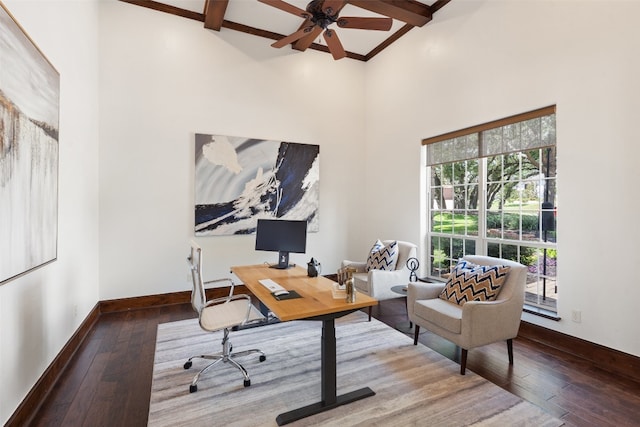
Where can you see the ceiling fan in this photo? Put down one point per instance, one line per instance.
(319, 14)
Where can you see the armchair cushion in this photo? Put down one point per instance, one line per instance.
(383, 257)
(470, 282)
(441, 312)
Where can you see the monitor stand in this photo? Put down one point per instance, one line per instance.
(283, 261)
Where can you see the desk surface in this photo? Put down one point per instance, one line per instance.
(317, 298)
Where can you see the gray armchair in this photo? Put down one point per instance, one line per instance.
(378, 283)
(475, 323)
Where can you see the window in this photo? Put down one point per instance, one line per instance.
(492, 191)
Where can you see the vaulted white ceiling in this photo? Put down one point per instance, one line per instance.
(260, 19)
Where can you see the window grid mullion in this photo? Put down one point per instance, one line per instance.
(482, 207)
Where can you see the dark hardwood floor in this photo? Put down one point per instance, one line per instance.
(108, 382)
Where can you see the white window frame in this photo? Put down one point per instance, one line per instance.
(446, 149)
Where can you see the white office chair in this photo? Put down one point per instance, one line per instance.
(220, 314)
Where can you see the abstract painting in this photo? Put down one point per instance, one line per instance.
(239, 180)
(29, 110)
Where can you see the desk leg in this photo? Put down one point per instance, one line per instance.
(328, 381)
(328, 361)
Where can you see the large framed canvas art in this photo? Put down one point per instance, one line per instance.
(29, 110)
(239, 180)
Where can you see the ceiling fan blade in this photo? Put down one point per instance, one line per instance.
(332, 7)
(380, 24)
(334, 45)
(293, 37)
(283, 5)
(308, 39)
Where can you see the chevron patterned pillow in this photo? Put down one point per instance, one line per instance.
(470, 282)
(383, 257)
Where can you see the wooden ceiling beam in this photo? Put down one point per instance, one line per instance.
(438, 5)
(214, 11)
(410, 11)
(162, 7)
(386, 43)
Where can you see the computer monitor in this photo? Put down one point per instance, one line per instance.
(282, 236)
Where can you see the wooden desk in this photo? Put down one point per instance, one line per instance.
(317, 303)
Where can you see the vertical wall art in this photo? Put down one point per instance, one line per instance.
(29, 109)
(239, 180)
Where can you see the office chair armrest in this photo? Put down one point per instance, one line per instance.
(229, 298)
(223, 300)
(226, 279)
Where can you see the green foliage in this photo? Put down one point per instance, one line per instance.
(439, 258)
(512, 221)
(455, 223)
(528, 255)
(512, 195)
(494, 220)
(530, 222)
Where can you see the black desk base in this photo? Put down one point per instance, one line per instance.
(316, 408)
(330, 399)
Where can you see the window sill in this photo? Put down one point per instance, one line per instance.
(537, 311)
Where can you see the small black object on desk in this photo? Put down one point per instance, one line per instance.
(288, 295)
(313, 268)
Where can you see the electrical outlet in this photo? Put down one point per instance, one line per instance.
(576, 316)
(75, 311)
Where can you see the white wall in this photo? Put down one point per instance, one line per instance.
(483, 60)
(164, 78)
(41, 310)
(143, 83)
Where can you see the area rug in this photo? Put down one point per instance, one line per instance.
(414, 386)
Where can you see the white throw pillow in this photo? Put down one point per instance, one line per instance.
(383, 257)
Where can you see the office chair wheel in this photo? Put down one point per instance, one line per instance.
(247, 383)
(193, 388)
(187, 366)
(263, 357)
